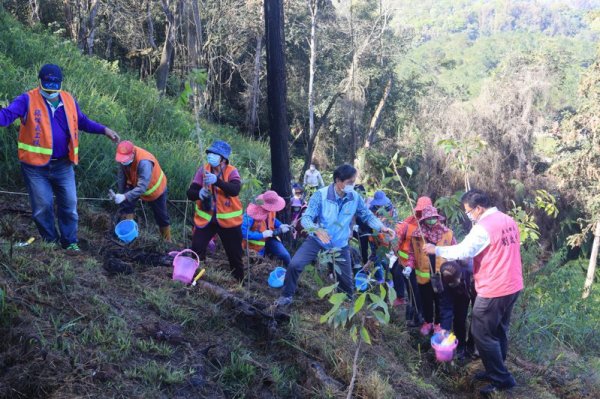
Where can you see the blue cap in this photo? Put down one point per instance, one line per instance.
(50, 77)
(380, 199)
(220, 148)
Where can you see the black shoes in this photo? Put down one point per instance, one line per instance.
(488, 391)
(482, 376)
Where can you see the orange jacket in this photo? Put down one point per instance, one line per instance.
(35, 133)
(158, 180)
(229, 209)
(260, 226)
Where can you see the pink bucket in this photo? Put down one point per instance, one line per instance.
(184, 267)
(442, 353)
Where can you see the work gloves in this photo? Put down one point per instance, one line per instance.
(118, 198)
(267, 233)
(284, 228)
(407, 271)
(204, 193)
(392, 259)
(210, 178)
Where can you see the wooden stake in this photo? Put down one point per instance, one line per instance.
(587, 287)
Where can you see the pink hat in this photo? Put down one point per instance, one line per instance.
(124, 151)
(422, 202)
(267, 202)
(270, 201)
(256, 212)
(429, 212)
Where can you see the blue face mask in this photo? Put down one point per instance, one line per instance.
(213, 159)
(348, 189)
(49, 96)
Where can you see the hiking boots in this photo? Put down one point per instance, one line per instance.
(489, 391)
(482, 376)
(73, 247)
(283, 301)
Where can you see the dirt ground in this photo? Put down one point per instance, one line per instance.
(72, 329)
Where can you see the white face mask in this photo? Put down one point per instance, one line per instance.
(49, 96)
(349, 188)
(127, 163)
(312, 168)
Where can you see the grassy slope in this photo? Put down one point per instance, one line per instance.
(132, 108)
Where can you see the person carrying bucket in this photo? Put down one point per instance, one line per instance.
(459, 293)
(141, 177)
(48, 150)
(494, 243)
(329, 217)
(218, 209)
(260, 228)
(427, 267)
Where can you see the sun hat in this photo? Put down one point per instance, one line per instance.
(422, 202)
(428, 213)
(380, 199)
(221, 148)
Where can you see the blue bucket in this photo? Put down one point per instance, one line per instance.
(361, 281)
(126, 230)
(276, 277)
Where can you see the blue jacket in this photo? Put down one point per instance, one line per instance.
(326, 210)
(254, 235)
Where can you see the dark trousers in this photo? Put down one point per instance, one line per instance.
(232, 243)
(454, 311)
(158, 206)
(491, 318)
(398, 279)
(430, 302)
(306, 254)
(414, 311)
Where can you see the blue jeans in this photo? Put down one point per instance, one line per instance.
(306, 254)
(158, 206)
(275, 248)
(57, 178)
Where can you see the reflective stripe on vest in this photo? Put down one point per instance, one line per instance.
(157, 185)
(422, 274)
(204, 215)
(37, 150)
(259, 243)
(402, 254)
(229, 215)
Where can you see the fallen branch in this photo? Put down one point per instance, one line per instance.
(320, 374)
(247, 308)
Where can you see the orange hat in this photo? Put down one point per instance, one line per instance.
(124, 151)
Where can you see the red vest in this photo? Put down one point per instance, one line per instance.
(229, 209)
(158, 180)
(497, 269)
(260, 226)
(35, 133)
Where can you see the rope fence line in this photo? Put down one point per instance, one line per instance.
(83, 198)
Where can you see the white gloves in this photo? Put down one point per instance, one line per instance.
(204, 193)
(119, 198)
(355, 228)
(407, 271)
(393, 258)
(210, 178)
(267, 233)
(284, 228)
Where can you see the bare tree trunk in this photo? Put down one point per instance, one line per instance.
(92, 26)
(312, 7)
(252, 115)
(68, 11)
(310, 145)
(587, 287)
(279, 130)
(355, 365)
(35, 11)
(195, 55)
(150, 26)
(377, 114)
(162, 72)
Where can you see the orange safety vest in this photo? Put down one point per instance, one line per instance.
(260, 226)
(158, 180)
(35, 133)
(229, 209)
(405, 230)
(422, 270)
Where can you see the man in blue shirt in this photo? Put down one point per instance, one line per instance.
(329, 219)
(48, 148)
